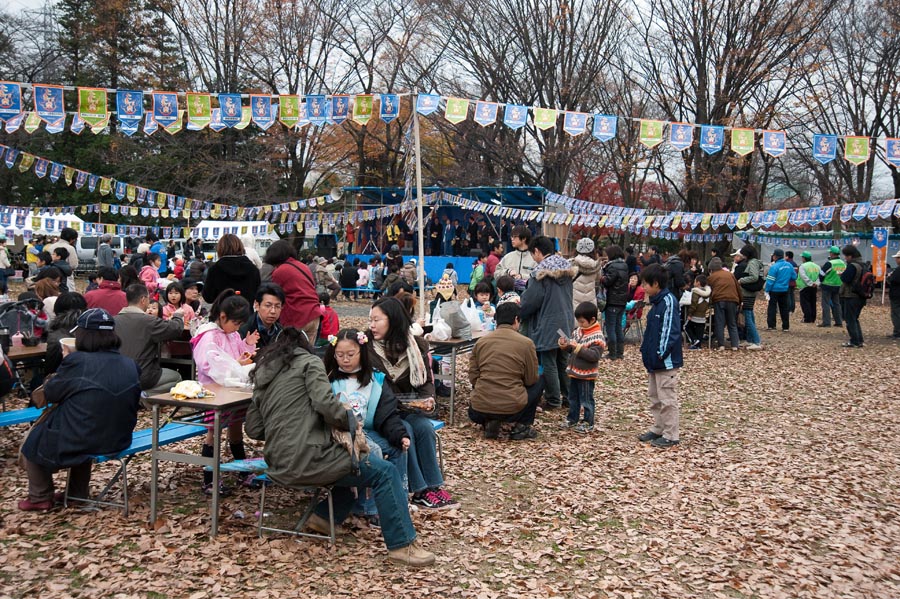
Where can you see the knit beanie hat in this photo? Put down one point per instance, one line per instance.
(715, 264)
(585, 245)
(444, 288)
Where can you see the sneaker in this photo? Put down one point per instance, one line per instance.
(565, 424)
(720, 348)
(771, 328)
(584, 428)
(735, 348)
(694, 347)
(823, 325)
(223, 490)
(373, 521)
(491, 429)
(26, 505)
(523, 433)
(412, 555)
(429, 500)
(663, 443)
(553, 405)
(848, 344)
(449, 502)
(648, 437)
(754, 346)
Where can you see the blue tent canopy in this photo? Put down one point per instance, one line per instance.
(513, 197)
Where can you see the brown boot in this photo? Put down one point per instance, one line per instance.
(317, 523)
(412, 555)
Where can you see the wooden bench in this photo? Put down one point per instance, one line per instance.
(141, 441)
(23, 416)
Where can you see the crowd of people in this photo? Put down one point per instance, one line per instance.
(266, 321)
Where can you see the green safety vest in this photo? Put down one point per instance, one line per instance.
(833, 276)
(812, 273)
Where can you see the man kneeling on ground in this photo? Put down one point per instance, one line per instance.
(503, 370)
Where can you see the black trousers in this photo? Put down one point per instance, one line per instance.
(808, 303)
(779, 300)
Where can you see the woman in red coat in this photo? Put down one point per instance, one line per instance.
(301, 303)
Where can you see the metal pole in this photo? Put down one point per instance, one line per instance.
(887, 247)
(417, 137)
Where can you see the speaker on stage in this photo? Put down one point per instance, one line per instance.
(326, 245)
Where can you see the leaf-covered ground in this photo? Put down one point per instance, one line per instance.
(785, 485)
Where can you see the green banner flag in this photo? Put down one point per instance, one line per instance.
(177, 125)
(545, 118)
(457, 110)
(27, 161)
(92, 106)
(651, 133)
(246, 115)
(32, 122)
(362, 108)
(856, 149)
(742, 141)
(743, 220)
(199, 107)
(289, 110)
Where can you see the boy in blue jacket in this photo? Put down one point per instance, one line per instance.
(661, 353)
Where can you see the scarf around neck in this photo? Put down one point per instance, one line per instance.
(410, 361)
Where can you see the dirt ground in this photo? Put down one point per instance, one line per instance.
(785, 485)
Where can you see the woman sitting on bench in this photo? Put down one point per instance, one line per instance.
(93, 402)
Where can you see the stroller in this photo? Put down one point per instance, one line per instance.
(16, 318)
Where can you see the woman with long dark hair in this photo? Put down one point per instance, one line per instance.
(293, 411)
(403, 358)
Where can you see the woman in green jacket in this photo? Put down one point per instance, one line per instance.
(293, 411)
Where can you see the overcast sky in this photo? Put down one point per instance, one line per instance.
(15, 6)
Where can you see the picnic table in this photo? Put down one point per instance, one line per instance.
(452, 348)
(20, 353)
(209, 412)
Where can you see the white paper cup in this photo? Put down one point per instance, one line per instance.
(68, 344)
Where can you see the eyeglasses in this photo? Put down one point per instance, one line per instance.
(349, 356)
(270, 307)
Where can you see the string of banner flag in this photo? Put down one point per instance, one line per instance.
(169, 110)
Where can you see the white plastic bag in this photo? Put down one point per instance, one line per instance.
(685, 298)
(227, 371)
(471, 312)
(440, 330)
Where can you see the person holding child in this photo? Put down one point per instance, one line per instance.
(697, 304)
(506, 290)
(585, 349)
(661, 355)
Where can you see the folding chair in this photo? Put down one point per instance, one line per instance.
(317, 493)
(638, 322)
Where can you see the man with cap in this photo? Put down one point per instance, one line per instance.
(807, 283)
(831, 288)
(893, 283)
(778, 287)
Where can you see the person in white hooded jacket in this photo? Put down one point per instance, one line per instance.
(584, 284)
(697, 304)
(250, 250)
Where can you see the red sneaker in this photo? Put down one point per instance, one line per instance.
(26, 505)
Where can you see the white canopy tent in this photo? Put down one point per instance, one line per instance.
(20, 227)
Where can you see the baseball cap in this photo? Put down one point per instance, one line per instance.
(806, 255)
(95, 319)
(834, 250)
(736, 253)
(897, 255)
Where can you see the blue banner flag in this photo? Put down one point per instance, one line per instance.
(824, 147)
(48, 102)
(574, 123)
(427, 103)
(515, 115)
(340, 109)
(681, 135)
(262, 113)
(773, 143)
(712, 138)
(129, 110)
(230, 107)
(604, 127)
(316, 109)
(390, 107)
(165, 108)
(486, 113)
(10, 100)
(892, 150)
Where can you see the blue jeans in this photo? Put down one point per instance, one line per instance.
(423, 469)
(615, 332)
(831, 305)
(390, 497)
(365, 505)
(556, 383)
(581, 395)
(750, 327)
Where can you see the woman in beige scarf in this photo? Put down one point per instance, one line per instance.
(403, 358)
